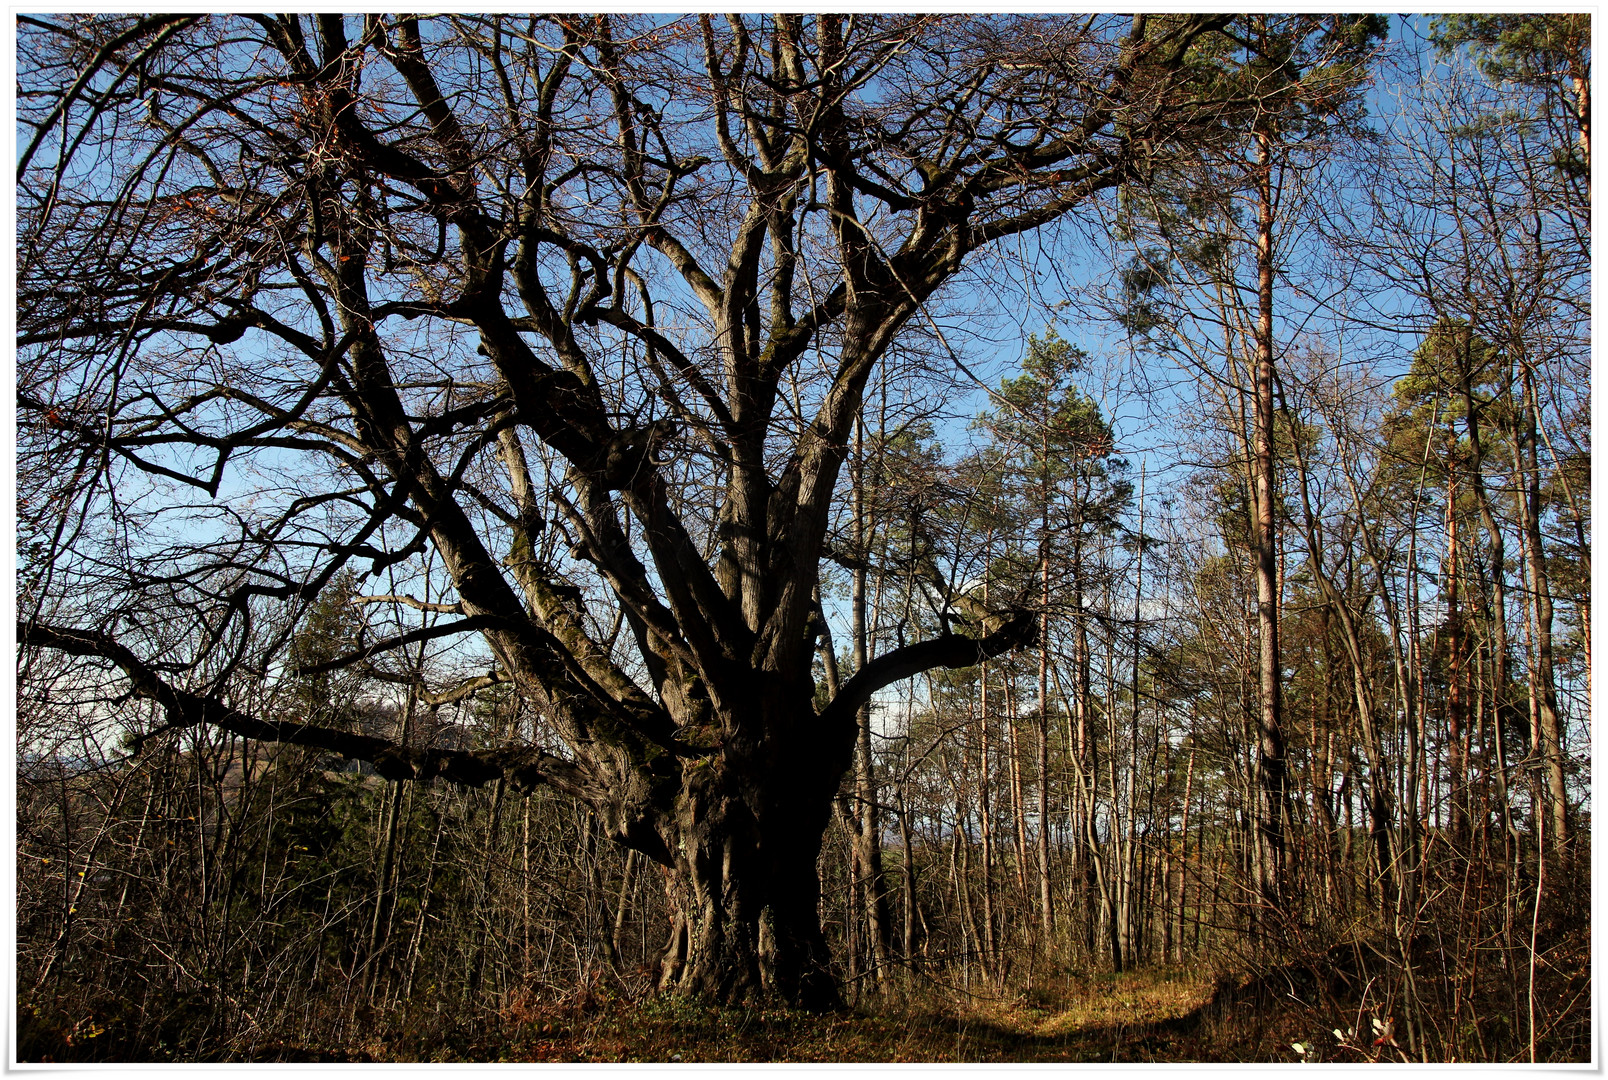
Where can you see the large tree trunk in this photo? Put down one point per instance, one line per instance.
(744, 907)
(743, 831)
(740, 828)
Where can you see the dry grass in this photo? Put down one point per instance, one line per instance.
(1160, 1015)
(1138, 1017)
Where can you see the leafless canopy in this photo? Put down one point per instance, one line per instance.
(565, 320)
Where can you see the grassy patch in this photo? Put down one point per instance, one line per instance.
(1162, 1015)
(1123, 1018)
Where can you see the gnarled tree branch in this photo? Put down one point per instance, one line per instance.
(523, 766)
(946, 650)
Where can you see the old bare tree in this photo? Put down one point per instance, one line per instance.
(584, 307)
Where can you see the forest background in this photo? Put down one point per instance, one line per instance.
(1251, 482)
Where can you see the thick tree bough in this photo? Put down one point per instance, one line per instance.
(523, 767)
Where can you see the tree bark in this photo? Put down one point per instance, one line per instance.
(1456, 753)
(1270, 747)
(866, 821)
(1548, 738)
(743, 891)
(1496, 573)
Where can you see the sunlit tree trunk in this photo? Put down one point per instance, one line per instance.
(1548, 736)
(1270, 746)
(1456, 734)
(867, 825)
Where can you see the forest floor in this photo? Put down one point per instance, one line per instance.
(1155, 1015)
(1144, 1016)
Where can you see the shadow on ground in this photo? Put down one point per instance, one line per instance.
(1287, 1015)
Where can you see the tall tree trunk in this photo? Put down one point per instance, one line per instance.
(1120, 875)
(384, 886)
(989, 940)
(417, 943)
(484, 896)
(1046, 893)
(1549, 738)
(1456, 754)
(1409, 668)
(1131, 877)
(1322, 754)
(1270, 757)
(1042, 729)
(1497, 571)
(867, 823)
(1018, 796)
(962, 916)
(907, 871)
(1377, 787)
(598, 897)
(1183, 855)
(1577, 520)
(1088, 763)
(617, 932)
